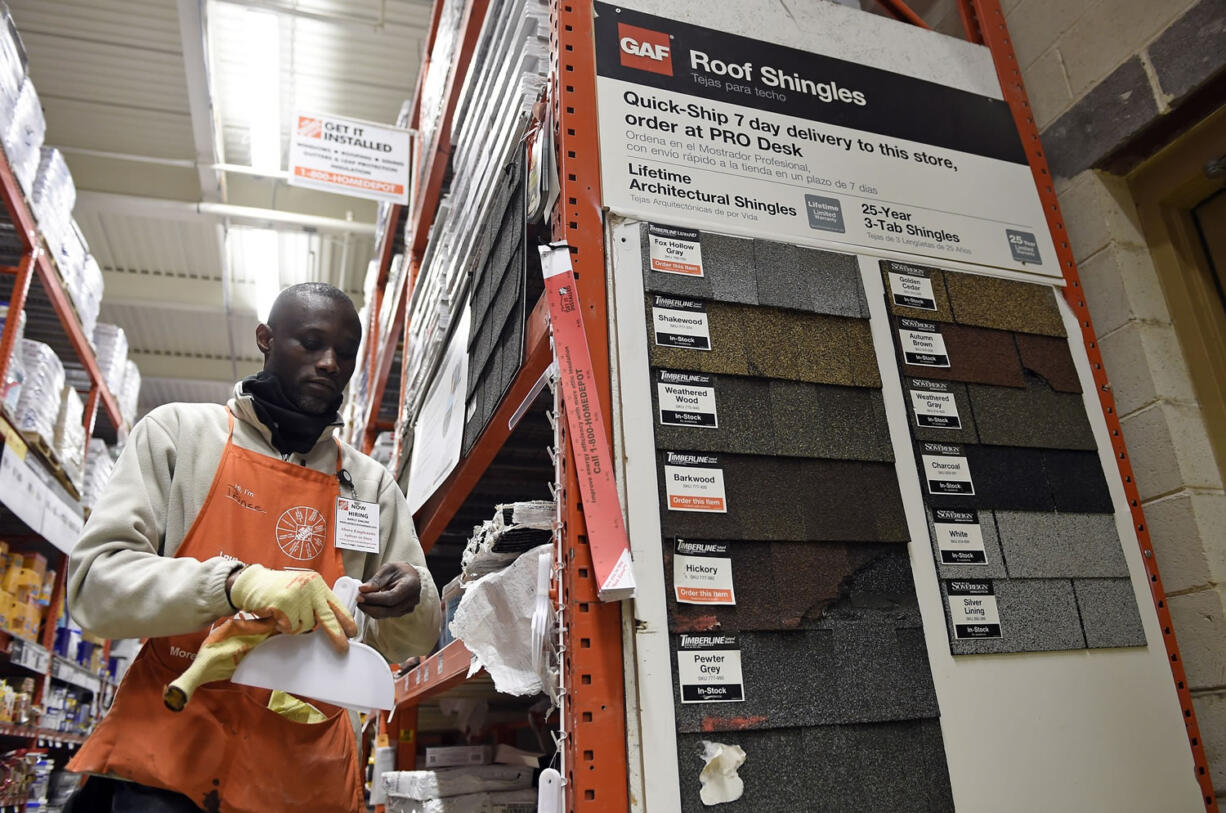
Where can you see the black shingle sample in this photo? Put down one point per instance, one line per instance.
(776, 778)
(943, 313)
(796, 346)
(1036, 615)
(864, 371)
(976, 355)
(812, 420)
(1025, 307)
(743, 413)
(797, 499)
(1049, 545)
(1049, 358)
(995, 565)
(1037, 416)
(807, 279)
(1077, 482)
(1109, 612)
(728, 340)
(1004, 477)
(966, 434)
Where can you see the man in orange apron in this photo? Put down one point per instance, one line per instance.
(216, 509)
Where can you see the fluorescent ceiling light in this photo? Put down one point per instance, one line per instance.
(255, 254)
(262, 88)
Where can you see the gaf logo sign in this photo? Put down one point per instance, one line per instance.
(645, 49)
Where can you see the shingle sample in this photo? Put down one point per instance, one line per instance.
(743, 412)
(727, 265)
(1036, 615)
(1077, 482)
(1109, 612)
(798, 499)
(994, 567)
(1049, 358)
(807, 279)
(728, 340)
(775, 776)
(812, 420)
(796, 346)
(966, 434)
(1050, 545)
(943, 313)
(976, 354)
(1004, 477)
(1036, 416)
(1025, 307)
(864, 371)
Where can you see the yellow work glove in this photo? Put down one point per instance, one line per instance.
(293, 709)
(218, 657)
(297, 600)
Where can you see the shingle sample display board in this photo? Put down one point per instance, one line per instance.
(773, 451)
(1019, 512)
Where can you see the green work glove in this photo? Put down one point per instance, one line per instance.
(297, 601)
(218, 657)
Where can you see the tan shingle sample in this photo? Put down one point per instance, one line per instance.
(1025, 307)
(796, 346)
(727, 353)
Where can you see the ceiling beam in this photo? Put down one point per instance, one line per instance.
(165, 209)
(199, 99)
(190, 368)
(176, 293)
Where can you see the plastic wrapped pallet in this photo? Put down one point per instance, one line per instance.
(98, 467)
(70, 436)
(53, 196)
(15, 375)
(111, 346)
(88, 294)
(39, 405)
(12, 64)
(511, 801)
(129, 392)
(444, 782)
(23, 136)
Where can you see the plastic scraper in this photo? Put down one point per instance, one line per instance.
(309, 666)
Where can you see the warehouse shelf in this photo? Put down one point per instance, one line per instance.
(43, 734)
(437, 673)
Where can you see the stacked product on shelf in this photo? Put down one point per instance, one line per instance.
(381, 452)
(25, 592)
(52, 199)
(12, 64)
(129, 393)
(15, 375)
(111, 346)
(481, 788)
(98, 467)
(69, 441)
(26, 777)
(80, 272)
(39, 405)
(23, 133)
(516, 528)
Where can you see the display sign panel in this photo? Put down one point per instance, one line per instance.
(349, 157)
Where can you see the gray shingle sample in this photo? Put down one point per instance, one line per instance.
(1049, 358)
(807, 279)
(1109, 612)
(796, 346)
(1050, 545)
(995, 565)
(968, 432)
(1077, 482)
(1036, 615)
(729, 262)
(812, 420)
(943, 313)
(976, 354)
(776, 778)
(1036, 416)
(743, 413)
(1025, 307)
(727, 353)
(680, 284)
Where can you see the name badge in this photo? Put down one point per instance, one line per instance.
(357, 525)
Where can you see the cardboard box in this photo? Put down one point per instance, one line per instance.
(459, 755)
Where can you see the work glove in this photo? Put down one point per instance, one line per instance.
(218, 657)
(296, 600)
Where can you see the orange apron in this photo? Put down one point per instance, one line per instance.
(226, 750)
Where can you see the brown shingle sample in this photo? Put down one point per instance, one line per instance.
(1036, 416)
(813, 420)
(727, 353)
(1048, 357)
(1051, 545)
(1036, 615)
(796, 346)
(976, 354)
(1109, 612)
(943, 313)
(864, 372)
(757, 595)
(743, 413)
(1024, 307)
(807, 279)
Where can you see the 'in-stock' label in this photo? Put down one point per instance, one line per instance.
(686, 399)
(709, 669)
(922, 344)
(933, 404)
(959, 538)
(674, 251)
(911, 288)
(702, 573)
(680, 323)
(946, 469)
(694, 482)
(972, 608)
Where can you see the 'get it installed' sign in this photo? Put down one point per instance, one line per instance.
(350, 157)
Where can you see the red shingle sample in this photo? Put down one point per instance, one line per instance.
(1048, 357)
(976, 355)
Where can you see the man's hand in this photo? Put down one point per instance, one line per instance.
(393, 591)
(297, 600)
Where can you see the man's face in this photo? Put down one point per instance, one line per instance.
(311, 348)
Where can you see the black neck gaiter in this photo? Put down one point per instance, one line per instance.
(292, 429)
